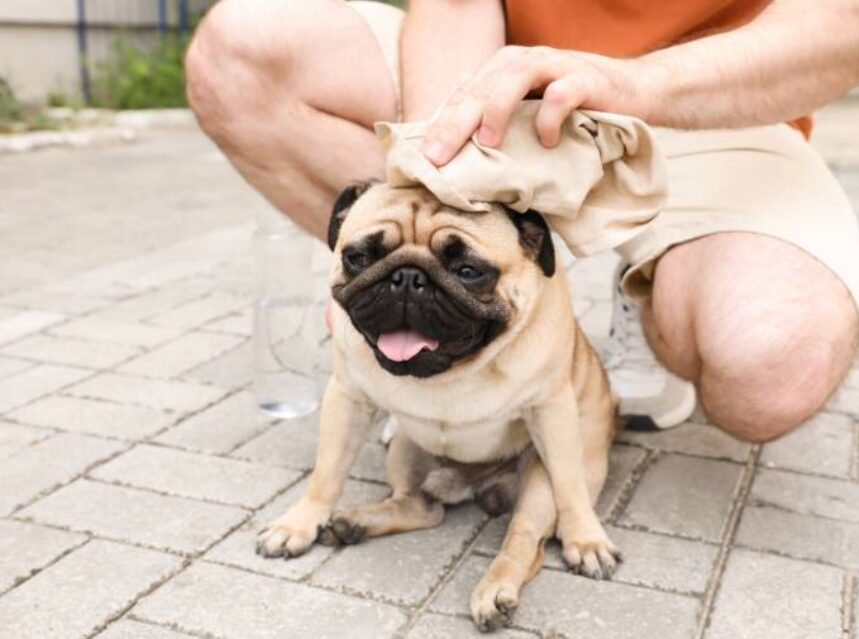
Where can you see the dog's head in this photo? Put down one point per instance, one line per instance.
(428, 286)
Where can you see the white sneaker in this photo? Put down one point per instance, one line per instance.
(649, 396)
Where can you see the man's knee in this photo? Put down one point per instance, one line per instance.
(765, 330)
(233, 57)
(765, 371)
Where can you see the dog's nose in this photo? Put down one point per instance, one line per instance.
(408, 278)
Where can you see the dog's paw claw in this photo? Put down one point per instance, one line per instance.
(493, 607)
(281, 541)
(595, 559)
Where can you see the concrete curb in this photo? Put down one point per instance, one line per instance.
(23, 142)
(89, 127)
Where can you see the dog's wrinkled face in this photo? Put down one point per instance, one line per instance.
(429, 286)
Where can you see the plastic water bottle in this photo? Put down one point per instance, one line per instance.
(288, 323)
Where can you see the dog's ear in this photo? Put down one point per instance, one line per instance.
(535, 238)
(342, 204)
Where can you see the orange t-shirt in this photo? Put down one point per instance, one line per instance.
(626, 27)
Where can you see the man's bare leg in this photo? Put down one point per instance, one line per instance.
(289, 91)
(764, 330)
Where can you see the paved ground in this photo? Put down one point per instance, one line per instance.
(134, 470)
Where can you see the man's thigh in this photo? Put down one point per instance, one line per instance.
(332, 55)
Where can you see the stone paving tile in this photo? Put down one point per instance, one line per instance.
(25, 549)
(96, 417)
(691, 439)
(130, 629)
(651, 560)
(233, 369)
(371, 462)
(220, 428)
(143, 306)
(51, 299)
(48, 464)
(845, 400)
(161, 394)
(852, 380)
(82, 591)
(26, 322)
(569, 605)
(237, 323)
(10, 366)
(293, 443)
(666, 563)
(687, 496)
(160, 521)
(823, 497)
(201, 311)
(94, 284)
(176, 472)
(823, 446)
(177, 357)
(234, 604)
(402, 568)
(155, 271)
(118, 332)
(623, 460)
(74, 352)
(799, 536)
(431, 626)
(33, 383)
(238, 549)
(14, 437)
(290, 443)
(766, 596)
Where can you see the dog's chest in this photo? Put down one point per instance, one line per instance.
(482, 441)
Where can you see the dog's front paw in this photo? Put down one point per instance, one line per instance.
(592, 556)
(493, 604)
(294, 533)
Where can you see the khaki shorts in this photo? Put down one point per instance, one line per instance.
(765, 180)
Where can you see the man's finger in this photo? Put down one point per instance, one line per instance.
(504, 95)
(560, 98)
(451, 130)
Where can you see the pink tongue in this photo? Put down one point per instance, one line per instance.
(399, 346)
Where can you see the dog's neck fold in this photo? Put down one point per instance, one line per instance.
(599, 187)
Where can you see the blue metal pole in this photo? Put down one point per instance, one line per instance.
(86, 87)
(162, 16)
(183, 16)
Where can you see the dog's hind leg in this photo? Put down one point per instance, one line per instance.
(408, 508)
(495, 598)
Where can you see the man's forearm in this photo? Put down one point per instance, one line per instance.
(793, 58)
(443, 40)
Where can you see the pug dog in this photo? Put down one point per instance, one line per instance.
(459, 325)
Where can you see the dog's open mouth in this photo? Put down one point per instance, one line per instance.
(404, 344)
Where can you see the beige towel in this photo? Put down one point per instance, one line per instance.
(599, 187)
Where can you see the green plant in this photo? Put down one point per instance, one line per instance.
(10, 109)
(59, 98)
(42, 122)
(137, 78)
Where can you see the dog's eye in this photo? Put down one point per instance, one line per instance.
(468, 273)
(356, 260)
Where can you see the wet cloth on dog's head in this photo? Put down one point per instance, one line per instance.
(598, 188)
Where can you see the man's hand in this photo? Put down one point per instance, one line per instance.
(785, 63)
(567, 80)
